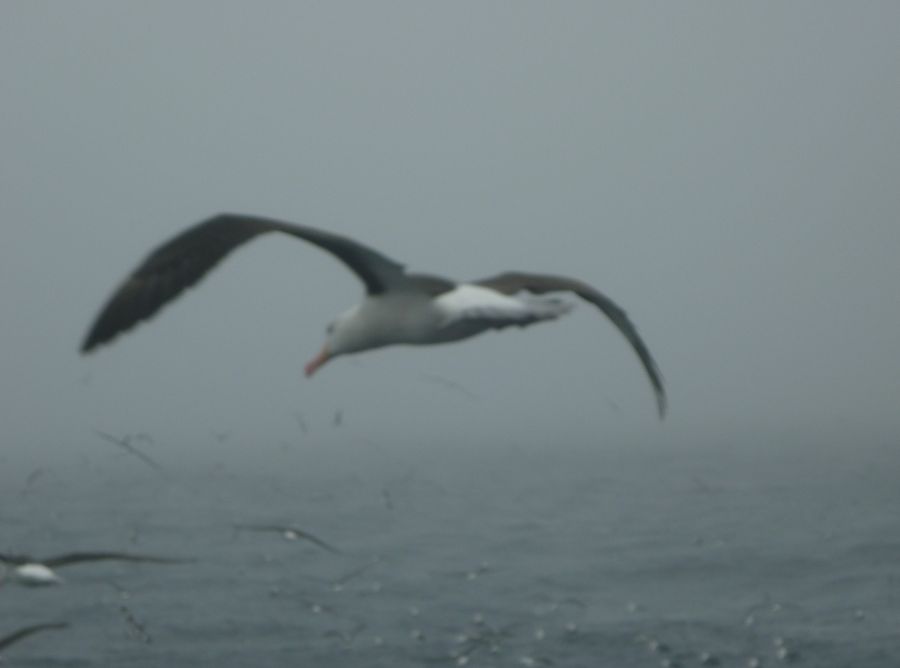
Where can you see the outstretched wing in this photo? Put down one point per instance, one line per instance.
(512, 282)
(26, 631)
(182, 261)
(79, 557)
(15, 559)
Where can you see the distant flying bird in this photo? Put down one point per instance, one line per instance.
(289, 533)
(26, 631)
(38, 572)
(399, 308)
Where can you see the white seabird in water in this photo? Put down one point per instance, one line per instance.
(399, 307)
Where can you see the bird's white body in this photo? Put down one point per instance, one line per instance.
(382, 320)
(36, 575)
(414, 318)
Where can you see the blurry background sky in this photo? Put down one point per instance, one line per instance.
(728, 172)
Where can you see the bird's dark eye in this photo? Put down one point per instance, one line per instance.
(330, 328)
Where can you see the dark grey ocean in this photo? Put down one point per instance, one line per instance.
(601, 555)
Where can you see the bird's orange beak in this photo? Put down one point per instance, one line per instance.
(317, 361)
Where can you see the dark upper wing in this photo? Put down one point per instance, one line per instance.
(15, 559)
(512, 282)
(78, 557)
(16, 636)
(184, 260)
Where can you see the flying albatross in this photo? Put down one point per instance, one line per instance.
(399, 307)
(39, 572)
(290, 533)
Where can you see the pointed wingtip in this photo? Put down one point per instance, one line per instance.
(94, 340)
(661, 405)
(90, 342)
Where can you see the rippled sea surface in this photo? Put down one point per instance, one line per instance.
(493, 557)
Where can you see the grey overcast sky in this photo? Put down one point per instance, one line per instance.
(726, 171)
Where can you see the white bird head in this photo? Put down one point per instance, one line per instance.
(347, 333)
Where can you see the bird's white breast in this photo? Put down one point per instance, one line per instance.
(397, 317)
